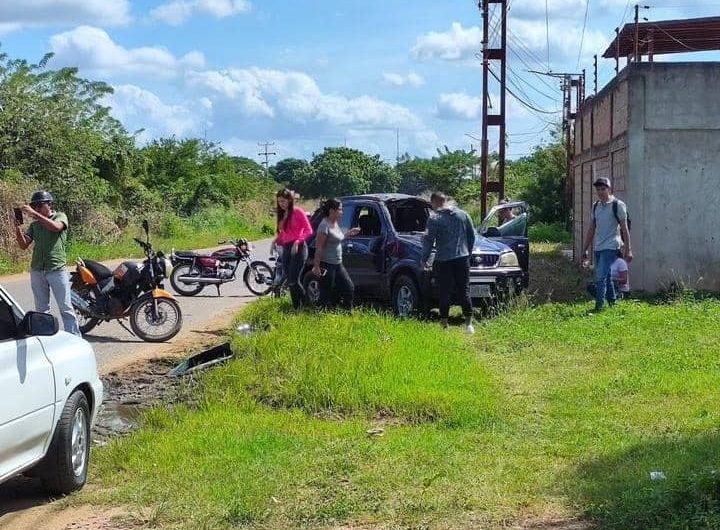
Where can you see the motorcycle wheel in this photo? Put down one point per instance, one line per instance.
(160, 328)
(87, 324)
(258, 278)
(85, 321)
(185, 269)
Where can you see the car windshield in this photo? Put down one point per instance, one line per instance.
(510, 222)
(409, 216)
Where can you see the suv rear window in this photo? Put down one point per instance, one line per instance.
(409, 216)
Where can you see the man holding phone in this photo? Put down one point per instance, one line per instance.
(48, 234)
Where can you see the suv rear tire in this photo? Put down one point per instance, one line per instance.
(311, 284)
(64, 468)
(406, 299)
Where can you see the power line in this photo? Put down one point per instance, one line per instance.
(582, 36)
(536, 89)
(530, 68)
(523, 102)
(531, 133)
(547, 33)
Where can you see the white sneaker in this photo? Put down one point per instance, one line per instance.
(470, 329)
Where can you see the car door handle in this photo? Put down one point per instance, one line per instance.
(349, 246)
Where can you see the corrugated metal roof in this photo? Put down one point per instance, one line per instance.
(668, 36)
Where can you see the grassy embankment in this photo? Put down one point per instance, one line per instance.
(202, 230)
(546, 414)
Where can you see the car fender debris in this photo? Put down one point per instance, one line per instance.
(200, 361)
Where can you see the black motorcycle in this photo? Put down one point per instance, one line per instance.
(192, 271)
(133, 290)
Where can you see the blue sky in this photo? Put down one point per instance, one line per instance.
(313, 73)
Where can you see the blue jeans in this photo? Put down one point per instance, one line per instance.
(59, 283)
(605, 288)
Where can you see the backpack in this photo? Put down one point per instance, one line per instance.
(615, 213)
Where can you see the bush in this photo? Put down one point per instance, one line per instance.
(550, 233)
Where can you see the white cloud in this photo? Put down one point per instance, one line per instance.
(459, 106)
(16, 14)
(177, 12)
(295, 96)
(92, 49)
(138, 108)
(565, 37)
(461, 44)
(411, 79)
(457, 44)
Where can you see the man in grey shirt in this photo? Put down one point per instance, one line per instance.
(452, 233)
(608, 233)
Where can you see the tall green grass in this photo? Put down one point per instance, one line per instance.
(546, 414)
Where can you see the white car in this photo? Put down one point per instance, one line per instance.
(51, 393)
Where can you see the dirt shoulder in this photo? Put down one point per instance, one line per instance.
(131, 383)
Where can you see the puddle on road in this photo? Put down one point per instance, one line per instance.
(116, 419)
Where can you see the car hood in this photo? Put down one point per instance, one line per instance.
(482, 244)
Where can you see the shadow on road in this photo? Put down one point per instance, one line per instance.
(105, 339)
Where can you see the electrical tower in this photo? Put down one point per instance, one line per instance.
(493, 120)
(267, 154)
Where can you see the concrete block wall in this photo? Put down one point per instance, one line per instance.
(656, 133)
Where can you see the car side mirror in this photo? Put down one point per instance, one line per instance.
(493, 231)
(36, 324)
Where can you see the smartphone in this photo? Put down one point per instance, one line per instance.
(18, 216)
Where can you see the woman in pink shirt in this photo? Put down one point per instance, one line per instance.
(293, 231)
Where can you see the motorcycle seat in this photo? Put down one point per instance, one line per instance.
(190, 254)
(100, 271)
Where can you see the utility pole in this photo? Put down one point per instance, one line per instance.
(595, 74)
(397, 146)
(569, 82)
(267, 154)
(617, 50)
(636, 48)
(493, 120)
(637, 57)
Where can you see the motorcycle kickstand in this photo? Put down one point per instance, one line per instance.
(217, 286)
(126, 328)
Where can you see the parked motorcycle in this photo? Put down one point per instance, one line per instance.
(133, 290)
(192, 272)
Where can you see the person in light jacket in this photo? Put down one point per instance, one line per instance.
(450, 230)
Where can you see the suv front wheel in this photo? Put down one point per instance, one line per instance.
(406, 299)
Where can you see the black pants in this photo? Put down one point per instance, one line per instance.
(454, 277)
(292, 267)
(336, 286)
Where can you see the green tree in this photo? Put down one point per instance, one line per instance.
(55, 130)
(343, 171)
(542, 175)
(449, 171)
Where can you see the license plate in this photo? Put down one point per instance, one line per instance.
(480, 290)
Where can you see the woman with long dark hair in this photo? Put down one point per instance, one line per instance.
(328, 265)
(293, 231)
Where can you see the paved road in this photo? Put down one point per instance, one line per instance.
(114, 345)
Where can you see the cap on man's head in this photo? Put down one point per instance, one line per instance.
(602, 181)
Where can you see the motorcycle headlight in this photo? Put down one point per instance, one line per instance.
(508, 259)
